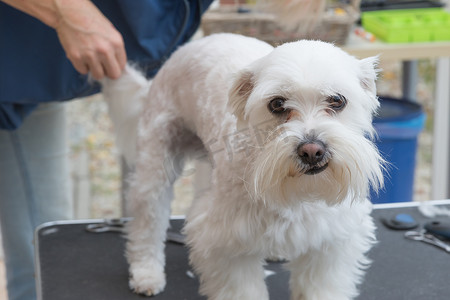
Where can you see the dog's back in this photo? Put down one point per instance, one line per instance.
(210, 63)
(197, 77)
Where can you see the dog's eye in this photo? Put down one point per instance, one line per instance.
(276, 106)
(337, 102)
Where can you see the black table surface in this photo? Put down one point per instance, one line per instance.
(75, 264)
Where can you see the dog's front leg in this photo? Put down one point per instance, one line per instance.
(146, 235)
(333, 270)
(225, 278)
(328, 274)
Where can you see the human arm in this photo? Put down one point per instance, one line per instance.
(90, 41)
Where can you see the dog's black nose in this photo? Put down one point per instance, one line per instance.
(311, 153)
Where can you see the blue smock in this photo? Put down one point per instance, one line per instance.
(34, 67)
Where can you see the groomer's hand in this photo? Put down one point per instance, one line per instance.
(90, 41)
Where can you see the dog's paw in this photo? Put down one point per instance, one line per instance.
(147, 280)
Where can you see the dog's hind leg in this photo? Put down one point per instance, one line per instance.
(151, 191)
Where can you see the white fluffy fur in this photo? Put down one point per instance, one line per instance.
(210, 100)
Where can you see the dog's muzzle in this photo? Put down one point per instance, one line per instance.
(314, 156)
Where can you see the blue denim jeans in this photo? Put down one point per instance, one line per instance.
(34, 188)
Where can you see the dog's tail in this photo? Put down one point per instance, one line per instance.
(125, 98)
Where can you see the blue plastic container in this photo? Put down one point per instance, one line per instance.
(398, 125)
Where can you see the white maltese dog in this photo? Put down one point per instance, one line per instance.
(287, 131)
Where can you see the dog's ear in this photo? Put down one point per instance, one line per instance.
(368, 75)
(239, 92)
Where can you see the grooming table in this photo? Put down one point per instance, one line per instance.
(72, 263)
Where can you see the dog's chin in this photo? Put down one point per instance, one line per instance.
(316, 170)
(298, 171)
